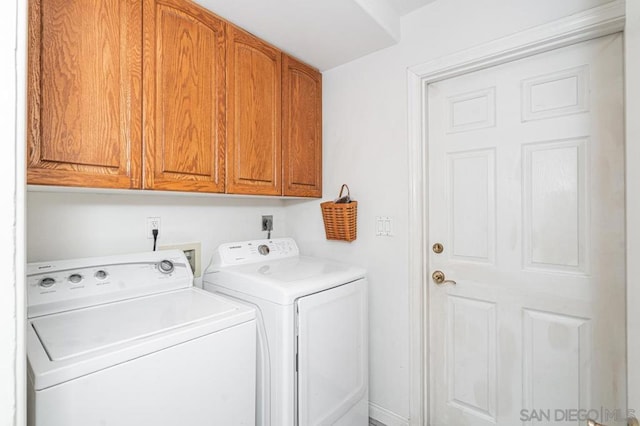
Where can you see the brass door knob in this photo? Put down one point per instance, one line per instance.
(439, 278)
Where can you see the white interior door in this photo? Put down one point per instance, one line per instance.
(526, 196)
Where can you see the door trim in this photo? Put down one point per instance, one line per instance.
(597, 22)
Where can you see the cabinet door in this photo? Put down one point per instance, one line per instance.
(301, 129)
(254, 146)
(84, 93)
(184, 97)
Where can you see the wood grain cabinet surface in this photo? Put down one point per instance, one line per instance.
(84, 78)
(163, 94)
(301, 129)
(254, 146)
(184, 54)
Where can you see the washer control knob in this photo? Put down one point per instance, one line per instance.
(166, 266)
(263, 249)
(75, 278)
(47, 282)
(101, 274)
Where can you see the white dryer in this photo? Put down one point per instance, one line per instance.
(312, 331)
(127, 341)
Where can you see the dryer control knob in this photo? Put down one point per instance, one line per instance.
(263, 249)
(166, 266)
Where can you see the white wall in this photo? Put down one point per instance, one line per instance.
(365, 145)
(71, 225)
(8, 321)
(11, 349)
(632, 63)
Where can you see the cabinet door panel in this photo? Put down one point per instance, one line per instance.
(301, 129)
(84, 93)
(184, 97)
(254, 149)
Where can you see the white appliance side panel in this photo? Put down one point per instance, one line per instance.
(276, 357)
(332, 356)
(203, 382)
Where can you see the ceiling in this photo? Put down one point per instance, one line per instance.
(407, 6)
(322, 33)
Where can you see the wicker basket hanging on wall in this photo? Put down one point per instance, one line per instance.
(340, 217)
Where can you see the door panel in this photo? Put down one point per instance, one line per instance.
(254, 149)
(84, 93)
(526, 194)
(471, 185)
(471, 336)
(301, 129)
(555, 348)
(554, 227)
(185, 98)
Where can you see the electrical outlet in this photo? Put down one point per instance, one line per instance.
(191, 251)
(267, 223)
(152, 223)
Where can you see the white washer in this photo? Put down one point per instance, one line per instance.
(312, 331)
(127, 341)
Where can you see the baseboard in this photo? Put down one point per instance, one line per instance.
(386, 417)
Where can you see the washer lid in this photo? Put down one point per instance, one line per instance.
(80, 342)
(283, 281)
(83, 331)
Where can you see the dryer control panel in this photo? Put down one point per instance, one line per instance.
(253, 251)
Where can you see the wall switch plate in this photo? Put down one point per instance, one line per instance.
(152, 223)
(192, 252)
(383, 226)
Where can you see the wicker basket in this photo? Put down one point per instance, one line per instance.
(340, 219)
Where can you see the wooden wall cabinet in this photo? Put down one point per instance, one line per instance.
(163, 94)
(184, 97)
(254, 146)
(84, 115)
(301, 129)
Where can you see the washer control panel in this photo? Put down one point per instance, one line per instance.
(255, 251)
(68, 284)
(166, 266)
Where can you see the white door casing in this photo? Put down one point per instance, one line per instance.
(526, 193)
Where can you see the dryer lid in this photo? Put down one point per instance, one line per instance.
(84, 331)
